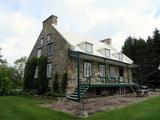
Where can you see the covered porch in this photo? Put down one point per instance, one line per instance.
(92, 77)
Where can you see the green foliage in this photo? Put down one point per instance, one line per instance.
(2, 61)
(29, 81)
(64, 82)
(56, 84)
(147, 55)
(52, 94)
(26, 108)
(42, 81)
(9, 80)
(20, 66)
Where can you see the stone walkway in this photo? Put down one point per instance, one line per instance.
(94, 105)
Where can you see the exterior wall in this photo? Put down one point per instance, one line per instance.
(72, 73)
(62, 63)
(59, 56)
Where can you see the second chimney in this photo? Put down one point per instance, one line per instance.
(107, 41)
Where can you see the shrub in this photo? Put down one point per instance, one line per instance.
(42, 81)
(64, 82)
(55, 84)
(29, 81)
(33, 92)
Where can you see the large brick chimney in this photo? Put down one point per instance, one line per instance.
(107, 41)
(50, 20)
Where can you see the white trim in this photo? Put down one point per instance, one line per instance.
(87, 70)
(39, 52)
(49, 70)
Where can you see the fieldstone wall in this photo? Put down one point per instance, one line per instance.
(59, 55)
(72, 73)
(61, 61)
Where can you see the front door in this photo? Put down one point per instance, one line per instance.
(121, 74)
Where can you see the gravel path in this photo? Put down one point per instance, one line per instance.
(98, 104)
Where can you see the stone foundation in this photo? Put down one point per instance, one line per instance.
(94, 92)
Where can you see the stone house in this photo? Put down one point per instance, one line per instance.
(93, 67)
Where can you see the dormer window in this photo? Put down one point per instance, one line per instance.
(120, 57)
(48, 37)
(88, 48)
(105, 52)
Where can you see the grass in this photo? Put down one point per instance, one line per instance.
(25, 108)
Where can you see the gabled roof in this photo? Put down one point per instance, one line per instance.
(75, 39)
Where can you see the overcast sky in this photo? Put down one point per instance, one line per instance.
(21, 21)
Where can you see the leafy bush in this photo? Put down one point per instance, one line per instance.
(33, 92)
(51, 94)
(64, 82)
(56, 84)
(41, 83)
(29, 81)
(9, 80)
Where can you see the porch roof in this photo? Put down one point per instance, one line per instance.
(90, 57)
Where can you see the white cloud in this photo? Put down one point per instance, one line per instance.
(21, 21)
(19, 35)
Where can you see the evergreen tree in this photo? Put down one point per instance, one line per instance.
(146, 54)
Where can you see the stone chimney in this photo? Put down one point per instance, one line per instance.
(107, 41)
(50, 20)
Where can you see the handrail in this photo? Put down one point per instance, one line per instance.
(87, 81)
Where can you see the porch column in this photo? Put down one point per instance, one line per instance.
(78, 75)
(105, 71)
(128, 74)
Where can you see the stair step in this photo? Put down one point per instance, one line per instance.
(76, 96)
(82, 88)
(76, 93)
(84, 85)
(81, 91)
(72, 98)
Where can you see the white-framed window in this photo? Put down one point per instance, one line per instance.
(102, 70)
(50, 49)
(107, 53)
(113, 71)
(88, 48)
(42, 41)
(49, 70)
(120, 56)
(39, 52)
(36, 72)
(49, 37)
(87, 69)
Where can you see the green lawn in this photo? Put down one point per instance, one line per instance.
(25, 108)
